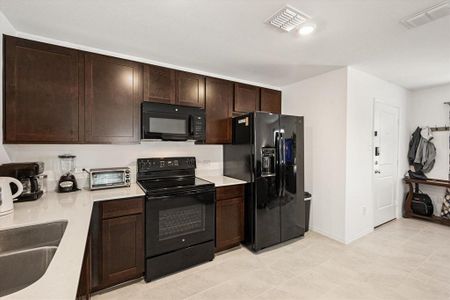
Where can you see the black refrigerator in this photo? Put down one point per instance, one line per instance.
(267, 151)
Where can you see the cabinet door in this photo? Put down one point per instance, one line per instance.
(190, 89)
(43, 97)
(270, 101)
(246, 98)
(230, 223)
(122, 249)
(159, 84)
(84, 284)
(113, 96)
(219, 110)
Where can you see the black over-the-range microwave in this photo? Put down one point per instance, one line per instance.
(170, 122)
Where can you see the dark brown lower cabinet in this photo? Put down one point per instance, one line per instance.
(84, 285)
(122, 249)
(229, 216)
(116, 245)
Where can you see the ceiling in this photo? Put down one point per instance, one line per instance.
(229, 37)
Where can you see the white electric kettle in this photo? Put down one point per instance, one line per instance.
(6, 197)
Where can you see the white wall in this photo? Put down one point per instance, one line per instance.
(322, 101)
(338, 110)
(209, 157)
(427, 108)
(5, 28)
(363, 88)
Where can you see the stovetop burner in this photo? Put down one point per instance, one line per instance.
(171, 185)
(169, 175)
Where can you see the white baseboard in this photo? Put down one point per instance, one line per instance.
(327, 234)
(358, 236)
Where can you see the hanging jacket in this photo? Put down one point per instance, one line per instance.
(413, 145)
(430, 153)
(426, 152)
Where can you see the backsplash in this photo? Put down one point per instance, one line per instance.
(209, 157)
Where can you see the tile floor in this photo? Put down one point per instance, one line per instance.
(404, 259)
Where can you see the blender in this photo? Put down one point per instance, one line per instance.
(67, 182)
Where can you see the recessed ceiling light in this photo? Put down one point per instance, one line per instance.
(307, 29)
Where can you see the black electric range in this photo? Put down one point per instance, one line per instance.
(180, 213)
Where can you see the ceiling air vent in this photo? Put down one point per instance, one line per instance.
(287, 18)
(427, 15)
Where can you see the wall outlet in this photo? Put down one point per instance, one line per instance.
(364, 210)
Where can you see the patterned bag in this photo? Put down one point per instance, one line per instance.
(445, 211)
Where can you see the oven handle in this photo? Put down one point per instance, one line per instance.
(184, 193)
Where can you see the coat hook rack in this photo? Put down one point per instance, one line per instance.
(442, 128)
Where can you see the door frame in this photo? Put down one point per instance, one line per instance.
(396, 191)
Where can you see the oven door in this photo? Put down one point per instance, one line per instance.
(166, 126)
(179, 221)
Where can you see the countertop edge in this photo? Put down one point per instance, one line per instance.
(221, 181)
(60, 281)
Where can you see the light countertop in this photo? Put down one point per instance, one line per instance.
(60, 281)
(220, 180)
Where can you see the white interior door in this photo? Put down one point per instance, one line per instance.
(385, 162)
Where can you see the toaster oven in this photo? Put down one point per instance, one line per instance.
(106, 178)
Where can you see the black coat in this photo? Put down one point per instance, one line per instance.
(413, 145)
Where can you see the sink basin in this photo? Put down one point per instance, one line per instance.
(26, 253)
(27, 237)
(22, 268)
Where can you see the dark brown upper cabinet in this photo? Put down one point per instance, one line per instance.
(190, 89)
(246, 98)
(54, 94)
(43, 93)
(270, 101)
(113, 94)
(219, 110)
(159, 84)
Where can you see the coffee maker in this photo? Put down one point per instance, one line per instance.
(29, 174)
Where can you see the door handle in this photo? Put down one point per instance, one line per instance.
(377, 172)
(283, 161)
(191, 125)
(377, 151)
(278, 162)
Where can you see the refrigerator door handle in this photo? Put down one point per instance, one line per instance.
(282, 163)
(278, 162)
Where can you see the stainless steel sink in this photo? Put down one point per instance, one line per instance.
(26, 253)
(27, 237)
(22, 268)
